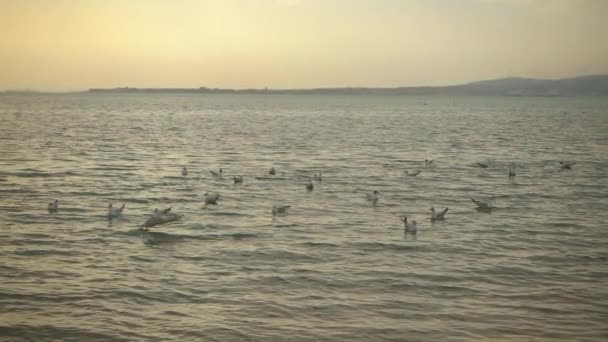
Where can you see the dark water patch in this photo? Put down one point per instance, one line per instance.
(46, 252)
(318, 244)
(381, 246)
(228, 213)
(28, 174)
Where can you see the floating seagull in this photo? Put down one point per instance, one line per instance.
(184, 171)
(512, 171)
(53, 206)
(159, 217)
(438, 216)
(482, 165)
(373, 197)
(211, 198)
(114, 212)
(318, 176)
(164, 211)
(238, 179)
(482, 204)
(280, 209)
(414, 173)
(216, 173)
(567, 165)
(272, 171)
(310, 186)
(409, 227)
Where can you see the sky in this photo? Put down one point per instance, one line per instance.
(64, 45)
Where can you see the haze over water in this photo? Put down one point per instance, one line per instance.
(335, 267)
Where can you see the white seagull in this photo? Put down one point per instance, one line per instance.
(53, 206)
(211, 198)
(318, 176)
(373, 197)
(217, 173)
(184, 171)
(438, 216)
(115, 212)
(482, 204)
(159, 217)
(280, 209)
(409, 227)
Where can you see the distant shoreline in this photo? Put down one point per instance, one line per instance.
(594, 85)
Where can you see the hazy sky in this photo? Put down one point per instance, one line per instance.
(77, 44)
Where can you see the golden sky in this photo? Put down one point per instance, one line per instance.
(77, 44)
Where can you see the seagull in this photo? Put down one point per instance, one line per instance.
(373, 197)
(482, 204)
(413, 173)
(164, 211)
(280, 209)
(115, 212)
(216, 173)
(53, 206)
(238, 179)
(184, 171)
(409, 227)
(512, 171)
(211, 198)
(567, 165)
(482, 165)
(272, 171)
(310, 186)
(159, 217)
(438, 216)
(318, 176)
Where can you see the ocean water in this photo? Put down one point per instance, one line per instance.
(335, 267)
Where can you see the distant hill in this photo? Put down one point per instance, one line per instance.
(584, 85)
(594, 85)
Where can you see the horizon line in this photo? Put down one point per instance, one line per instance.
(269, 89)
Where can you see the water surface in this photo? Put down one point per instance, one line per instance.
(335, 267)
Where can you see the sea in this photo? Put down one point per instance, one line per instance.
(335, 266)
